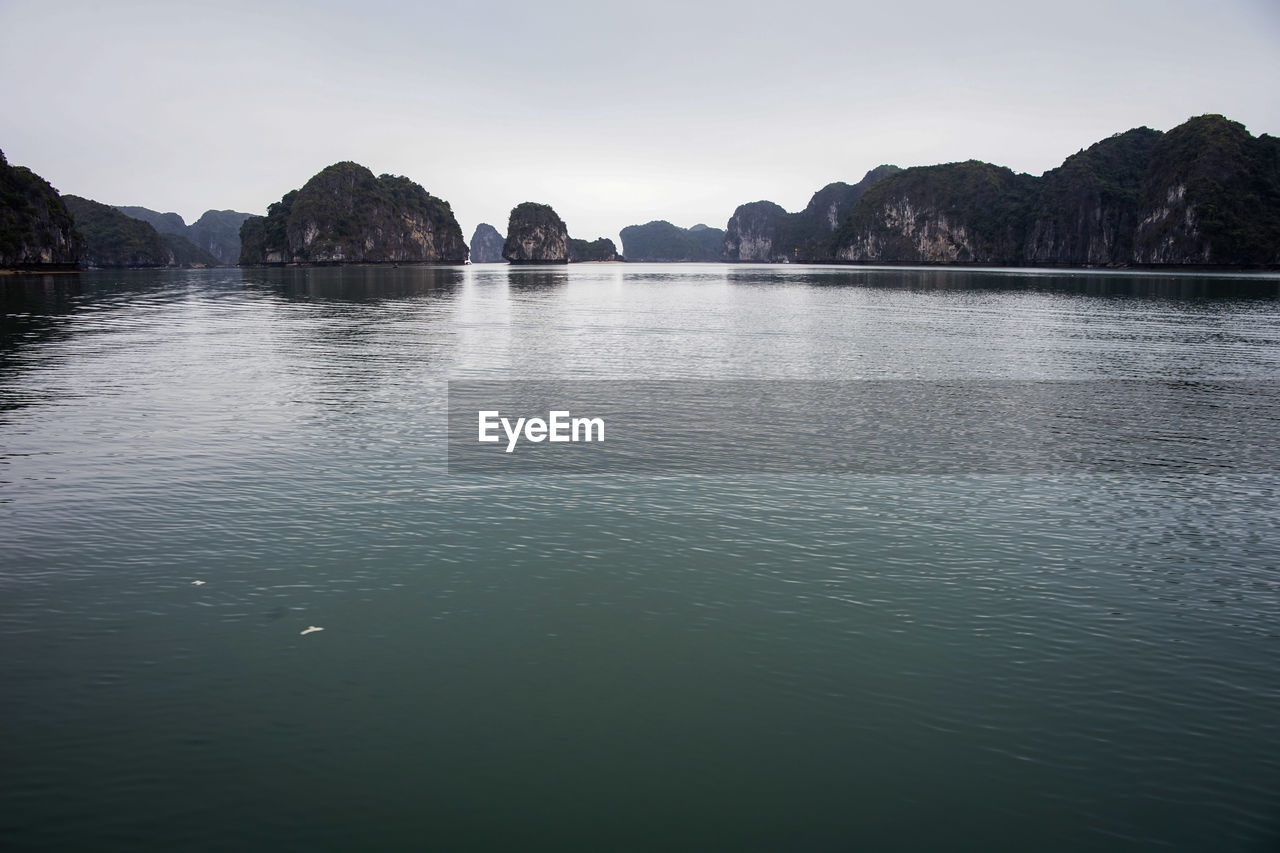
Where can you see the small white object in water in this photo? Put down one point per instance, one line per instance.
(197, 583)
(309, 630)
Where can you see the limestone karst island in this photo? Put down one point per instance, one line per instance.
(1205, 194)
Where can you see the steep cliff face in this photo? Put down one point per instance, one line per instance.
(486, 245)
(1205, 193)
(1211, 195)
(660, 241)
(830, 204)
(807, 234)
(184, 253)
(600, 249)
(536, 235)
(956, 213)
(115, 240)
(218, 233)
(751, 232)
(346, 215)
(1170, 232)
(1086, 210)
(763, 231)
(36, 229)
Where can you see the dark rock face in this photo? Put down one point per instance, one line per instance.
(1210, 195)
(114, 239)
(957, 213)
(536, 235)
(184, 253)
(486, 245)
(1086, 208)
(165, 223)
(600, 249)
(764, 232)
(218, 233)
(346, 215)
(1205, 193)
(662, 242)
(36, 229)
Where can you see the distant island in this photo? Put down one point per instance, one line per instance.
(1205, 194)
(662, 242)
(592, 251)
(216, 232)
(486, 245)
(116, 240)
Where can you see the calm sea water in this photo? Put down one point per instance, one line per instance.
(1082, 662)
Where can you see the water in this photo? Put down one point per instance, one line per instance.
(781, 662)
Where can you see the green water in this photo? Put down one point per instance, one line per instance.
(749, 662)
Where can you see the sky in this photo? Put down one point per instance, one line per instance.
(614, 114)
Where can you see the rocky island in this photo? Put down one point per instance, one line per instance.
(536, 235)
(114, 240)
(217, 232)
(165, 223)
(1207, 193)
(660, 241)
(36, 229)
(597, 250)
(486, 245)
(345, 214)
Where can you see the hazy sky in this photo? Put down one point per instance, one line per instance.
(613, 113)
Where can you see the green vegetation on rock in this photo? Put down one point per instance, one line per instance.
(36, 229)
(660, 241)
(764, 231)
(536, 235)
(958, 213)
(346, 215)
(1226, 180)
(1086, 208)
(1205, 193)
(114, 239)
(600, 249)
(216, 232)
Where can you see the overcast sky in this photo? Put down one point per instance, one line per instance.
(612, 113)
